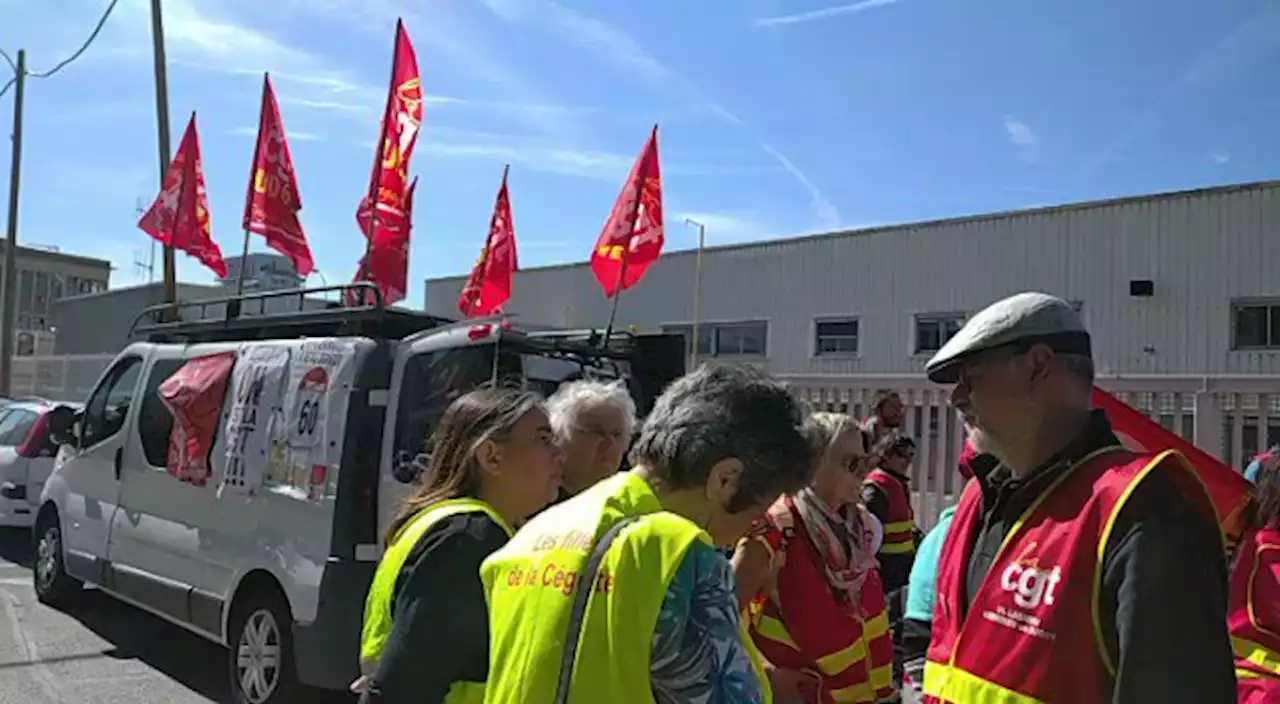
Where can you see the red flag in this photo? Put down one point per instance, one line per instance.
(383, 213)
(180, 215)
(1229, 491)
(388, 265)
(632, 236)
(489, 285)
(272, 204)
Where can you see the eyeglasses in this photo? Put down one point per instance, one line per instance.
(854, 463)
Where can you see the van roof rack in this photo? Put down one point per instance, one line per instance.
(281, 314)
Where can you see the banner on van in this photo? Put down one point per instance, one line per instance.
(320, 377)
(194, 394)
(258, 384)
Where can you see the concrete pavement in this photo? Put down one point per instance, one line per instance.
(99, 651)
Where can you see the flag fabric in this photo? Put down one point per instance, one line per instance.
(383, 213)
(489, 285)
(273, 202)
(179, 217)
(387, 266)
(1230, 492)
(632, 236)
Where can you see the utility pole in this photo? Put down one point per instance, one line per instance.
(697, 287)
(11, 235)
(162, 134)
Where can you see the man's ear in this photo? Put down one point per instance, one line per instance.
(722, 481)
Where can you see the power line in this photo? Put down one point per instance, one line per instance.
(97, 29)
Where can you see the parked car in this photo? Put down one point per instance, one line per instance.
(272, 556)
(27, 455)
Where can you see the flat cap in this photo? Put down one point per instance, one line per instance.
(1022, 319)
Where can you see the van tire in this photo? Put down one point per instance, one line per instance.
(260, 659)
(53, 586)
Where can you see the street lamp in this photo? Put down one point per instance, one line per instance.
(697, 286)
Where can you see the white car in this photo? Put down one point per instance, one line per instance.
(26, 459)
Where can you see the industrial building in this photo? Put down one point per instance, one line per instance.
(1170, 284)
(264, 271)
(45, 275)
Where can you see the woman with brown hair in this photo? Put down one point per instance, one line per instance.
(493, 463)
(821, 622)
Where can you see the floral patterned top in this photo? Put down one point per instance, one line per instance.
(698, 653)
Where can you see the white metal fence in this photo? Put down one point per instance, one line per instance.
(1229, 417)
(57, 377)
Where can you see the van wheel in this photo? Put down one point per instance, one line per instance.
(261, 651)
(53, 586)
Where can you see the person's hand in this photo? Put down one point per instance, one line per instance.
(789, 684)
(360, 685)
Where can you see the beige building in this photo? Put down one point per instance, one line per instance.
(44, 276)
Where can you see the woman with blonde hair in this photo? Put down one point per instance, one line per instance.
(493, 462)
(809, 575)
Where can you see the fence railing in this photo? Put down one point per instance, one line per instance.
(57, 377)
(1229, 417)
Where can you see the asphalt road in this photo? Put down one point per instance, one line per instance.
(99, 651)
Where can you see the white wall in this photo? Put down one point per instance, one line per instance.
(1202, 249)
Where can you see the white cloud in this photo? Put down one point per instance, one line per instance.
(1220, 157)
(248, 131)
(1022, 137)
(824, 13)
(722, 227)
(609, 43)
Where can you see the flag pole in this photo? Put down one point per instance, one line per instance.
(378, 154)
(613, 310)
(253, 187)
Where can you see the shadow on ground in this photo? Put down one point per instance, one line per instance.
(180, 655)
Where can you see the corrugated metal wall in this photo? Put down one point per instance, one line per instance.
(1202, 249)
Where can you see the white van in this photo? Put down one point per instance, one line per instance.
(273, 553)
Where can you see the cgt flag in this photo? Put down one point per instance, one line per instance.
(489, 285)
(179, 217)
(1230, 492)
(632, 237)
(272, 204)
(383, 212)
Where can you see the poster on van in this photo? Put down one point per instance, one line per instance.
(257, 386)
(319, 385)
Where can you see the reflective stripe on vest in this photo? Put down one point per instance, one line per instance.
(899, 520)
(757, 660)
(530, 583)
(1251, 616)
(1030, 639)
(379, 605)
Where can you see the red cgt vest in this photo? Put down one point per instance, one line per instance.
(900, 519)
(1032, 633)
(1254, 617)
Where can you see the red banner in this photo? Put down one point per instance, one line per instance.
(386, 225)
(194, 396)
(179, 217)
(489, 285)
(632, 237)
(388, 266)
(273, 202)
(1229, 491)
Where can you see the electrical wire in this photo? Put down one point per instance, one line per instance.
(92, 36)
(7, 86)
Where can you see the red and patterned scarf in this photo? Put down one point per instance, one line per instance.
(844, 540)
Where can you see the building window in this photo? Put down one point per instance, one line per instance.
(737, 339)
(835, 337)
(1255, 326)
(934, 329)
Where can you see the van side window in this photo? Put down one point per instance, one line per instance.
(155, 422)
(432, 381)
(108, 406)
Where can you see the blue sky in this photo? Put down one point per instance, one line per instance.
(778, 117)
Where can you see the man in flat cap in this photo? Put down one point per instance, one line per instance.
(1076, 570)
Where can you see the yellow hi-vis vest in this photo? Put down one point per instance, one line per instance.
(531, 581)
(378, 606)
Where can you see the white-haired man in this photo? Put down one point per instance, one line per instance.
(594, 421)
